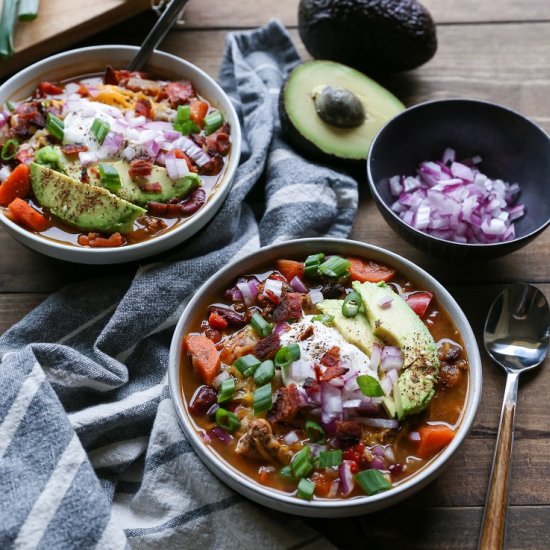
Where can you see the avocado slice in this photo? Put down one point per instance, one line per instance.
(130, 190)
(333, 112)
(374, 36)
(399, 325)
(356, 330)
(85, 206)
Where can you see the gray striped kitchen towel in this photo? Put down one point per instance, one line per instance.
(91, 454)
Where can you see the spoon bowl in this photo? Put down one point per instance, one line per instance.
(516, 336)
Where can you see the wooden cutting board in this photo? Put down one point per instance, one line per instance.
(61, 23)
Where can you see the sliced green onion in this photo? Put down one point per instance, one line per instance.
(227, 420)
(48, 156)
(10, 105)
(246, 363)
(325, 319)
(183, 114)
(306, 488)
(28, 9)
(330, 459)
(302, 463)
(263, 399)
(314, 259)
(7, 23)
(286, 473)
(212, 122)
(100, 129)
(110, 179)
(9, 149)
(314, 431)
(369, 386)
(264, 373)
(351, 305)
(372, 481)
(55, 126)
(227, 389)
(334, 267)
(286, 355)
(260, 325)
(187, 127)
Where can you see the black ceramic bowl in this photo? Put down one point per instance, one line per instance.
(512, 147)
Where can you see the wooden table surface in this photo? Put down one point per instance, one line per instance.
(498, 51)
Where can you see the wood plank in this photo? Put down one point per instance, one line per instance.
(14, 306)
(57, 27)
(434, 528)
(251, 13)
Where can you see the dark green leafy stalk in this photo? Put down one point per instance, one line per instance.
(110, 178)
(55, 126)
(312, 264)
(372, 481)
(306, 488)
(245, 363)
(351, 305)
(100, 129)
(314, 431)
(9, 149)
(227, 389)
(7, 23)
(302, 463)
(187, 127)
(369, 386)
(330, 459)
(264, 373)
(227, 420)
(28, 9)
(334, 267)
(263, 399)
(260, 325)
(212, 122)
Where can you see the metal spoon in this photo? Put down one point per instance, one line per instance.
(157, 33)
(516, 336)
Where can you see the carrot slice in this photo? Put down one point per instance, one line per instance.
(23, 213)
(290, 269)
(433, 439)
(370, 271)
(204, 356)
(17, 184)
(197, 111)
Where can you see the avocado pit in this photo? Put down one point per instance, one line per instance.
(339, 107)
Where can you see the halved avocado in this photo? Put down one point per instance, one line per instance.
(332, 111)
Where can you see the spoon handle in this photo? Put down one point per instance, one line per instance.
(493, 530)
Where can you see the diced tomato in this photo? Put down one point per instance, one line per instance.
(198, 110)
(95, 240)
(322, 484)
(17, 184)
(353, 466)
(204, 356)
(419, 301)
(179, 154)
(217, 321)
(354, 453)
(370, 271)
(290, 269)
(48, 88)
(433, 438)
(23, 213)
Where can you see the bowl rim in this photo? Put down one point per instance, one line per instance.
(381, 203)
(146, 248)
(339, 507)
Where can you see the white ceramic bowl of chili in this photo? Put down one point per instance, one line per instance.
(287, 502)
(85, 62)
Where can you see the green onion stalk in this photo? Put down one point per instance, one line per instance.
(7, 24)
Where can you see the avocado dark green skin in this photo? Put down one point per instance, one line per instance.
(373, 36)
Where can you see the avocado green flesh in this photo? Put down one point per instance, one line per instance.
(355, 330)
(85, 206)
(346, 143)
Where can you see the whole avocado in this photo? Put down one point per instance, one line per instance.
(373, 36)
